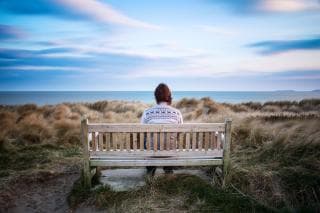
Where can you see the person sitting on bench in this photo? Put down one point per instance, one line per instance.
(162, 113)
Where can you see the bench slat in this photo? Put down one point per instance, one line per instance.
(148, 142)
(119, 141)
(176, 153)
(155, 141)
(168, 144)
(213, 139)
(175, 140)
(219, 141)
(108, 145)
(114, 141)
(156, 162)
(128, 141)
(194, 141)
(161, 140)
(200, 141)
(180, 140)
(100, 141)
(188, 141)
(93, 138)
(150, 158)
(141, 136)
(134, 141)
(188, 127)
(206, 141)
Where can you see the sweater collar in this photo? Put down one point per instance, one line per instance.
(163, 104)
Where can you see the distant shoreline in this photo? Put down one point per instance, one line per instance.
(55, 97)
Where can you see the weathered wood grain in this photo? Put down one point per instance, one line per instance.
(188, 127)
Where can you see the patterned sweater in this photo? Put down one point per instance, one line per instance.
(162, 113)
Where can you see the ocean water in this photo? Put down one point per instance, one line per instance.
(55, 97)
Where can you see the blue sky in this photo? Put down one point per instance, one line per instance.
(136, 44)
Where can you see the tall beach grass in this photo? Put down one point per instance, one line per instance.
(275, 145)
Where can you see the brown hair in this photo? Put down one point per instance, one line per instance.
(163, 94)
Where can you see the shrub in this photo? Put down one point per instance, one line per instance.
(7, 121)
(67, 132)
(253, 105)
(27, 108)
(61, 111)
(209, 106)
(33, 129)
(310, 104)
(98, 106)
(271, 108)
(185, 103)
(236, 107)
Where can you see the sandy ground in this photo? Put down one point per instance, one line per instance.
(126, 179)
(45, 192)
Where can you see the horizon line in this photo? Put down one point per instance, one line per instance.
(285, 90)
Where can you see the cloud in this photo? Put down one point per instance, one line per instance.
(270, 6)
(297, 75)
(54, 50)
(104, 69)
(215, 66)
(43, 68)
(288, 5)
(90, 9)
(104, 13)
(279, 46)
(9, 32)
(21, 57)
(6, 53)
(65, 58)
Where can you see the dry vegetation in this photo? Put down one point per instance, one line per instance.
(277, 162)
(275, 152)
(59, 124)
(174, 193)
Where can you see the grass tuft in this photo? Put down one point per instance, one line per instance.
(180, 192)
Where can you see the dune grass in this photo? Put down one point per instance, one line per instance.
(278, 162)
(275, 153)
(36, 157)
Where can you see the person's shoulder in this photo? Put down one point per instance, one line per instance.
(150, 109)
(174, 109)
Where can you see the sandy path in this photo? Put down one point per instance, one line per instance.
(47, 193)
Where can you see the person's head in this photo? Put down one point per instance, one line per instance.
(163, 94)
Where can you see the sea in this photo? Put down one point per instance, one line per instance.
(56, 97)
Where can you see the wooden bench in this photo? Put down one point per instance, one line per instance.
(126, 145)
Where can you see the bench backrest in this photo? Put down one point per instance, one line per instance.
(154, 138)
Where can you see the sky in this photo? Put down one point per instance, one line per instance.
(193, 45)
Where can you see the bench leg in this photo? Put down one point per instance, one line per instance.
(218, 176)
(224, 179)
(95, 174)
(86, 174)
(226, 152)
